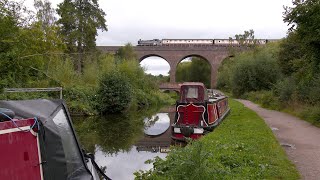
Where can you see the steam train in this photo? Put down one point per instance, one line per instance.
(197, 111)
(166, 42)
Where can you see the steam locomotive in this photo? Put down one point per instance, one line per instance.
(163, 42)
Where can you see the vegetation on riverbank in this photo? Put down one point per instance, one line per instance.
(38, 51)
(284, 75)
(258, 75)
(242, 147)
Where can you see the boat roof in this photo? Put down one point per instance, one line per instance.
(192, 84)
(59, 147)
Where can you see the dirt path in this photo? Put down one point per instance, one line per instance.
(300, 139)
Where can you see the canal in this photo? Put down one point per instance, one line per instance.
(122, 144)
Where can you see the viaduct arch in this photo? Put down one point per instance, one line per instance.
(214, 54)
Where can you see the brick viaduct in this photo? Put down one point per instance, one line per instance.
(174, 54)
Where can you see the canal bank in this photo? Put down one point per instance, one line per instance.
(299, 138)
(242, 147)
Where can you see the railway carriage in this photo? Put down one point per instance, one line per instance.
(187, 41)
(196, 112)
(202, 42)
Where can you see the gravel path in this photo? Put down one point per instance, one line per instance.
(300, 139)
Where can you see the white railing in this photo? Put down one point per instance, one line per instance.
(15, 90)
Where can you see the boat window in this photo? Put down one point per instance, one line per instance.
(192, 92)
(70, 147)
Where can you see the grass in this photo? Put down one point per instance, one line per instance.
(242, 147)
(266, 99)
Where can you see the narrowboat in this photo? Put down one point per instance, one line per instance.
(197, 111)
(38, 142)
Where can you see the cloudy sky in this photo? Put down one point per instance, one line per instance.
(129, 21)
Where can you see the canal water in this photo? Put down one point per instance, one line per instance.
(122, 144)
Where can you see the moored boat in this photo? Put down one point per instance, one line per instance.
(38, 142)
(198, 113)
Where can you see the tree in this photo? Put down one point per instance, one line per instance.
(80, 20)
(10, 26)
(125, 53)
(45, 14)
(198, 70)
(304, 19)
(247, 38)
(291, 56)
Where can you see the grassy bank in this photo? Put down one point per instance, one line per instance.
(242, 147)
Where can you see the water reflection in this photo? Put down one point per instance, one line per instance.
(157, 124)
(124, 164)
(111, 133)
(124, 143)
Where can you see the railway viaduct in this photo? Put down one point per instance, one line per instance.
(173, 54)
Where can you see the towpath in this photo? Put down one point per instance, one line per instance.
(300, 139)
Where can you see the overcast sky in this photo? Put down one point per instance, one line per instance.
(129, 20)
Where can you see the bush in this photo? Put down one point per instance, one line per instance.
(254, 75)
(284, 89)
(311, 114)
(114, 93)
(250, 71)
(314, 90)
(266, 99)
(224, 73)
(79, 99)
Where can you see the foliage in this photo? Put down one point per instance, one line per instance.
(251, 71)
(126, 53)
(79, 22)
(114, 94)
(24, 47)
(291, 56)
(76, 94)
(266, 99)
(144, 88)
(32, 54)
(245, 39)
(242, 147)
(284, 89)
(304, 19)
(311, 114)
(198, 70)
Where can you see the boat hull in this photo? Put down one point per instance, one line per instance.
(192, 121)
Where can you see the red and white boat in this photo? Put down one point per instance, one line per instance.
(38, 142)
(197, 113)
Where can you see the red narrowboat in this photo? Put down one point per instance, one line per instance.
(198, 111)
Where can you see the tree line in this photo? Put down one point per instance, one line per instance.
(30, 39)
(37, 49)
(282, 75)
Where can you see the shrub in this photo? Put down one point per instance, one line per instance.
(284, 89)
(265, 98)
(254, 75)
(114, 93)
(79, 99)
(312, 114)
(250, 71)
